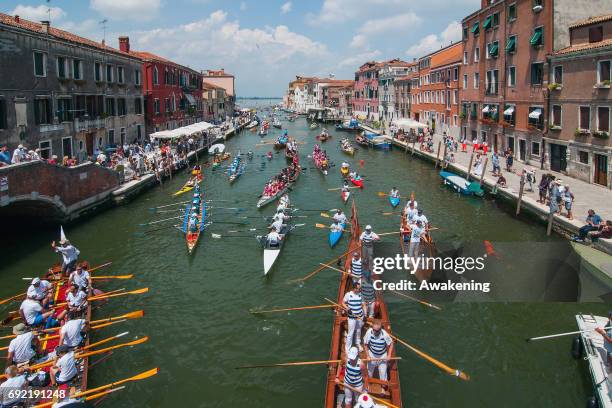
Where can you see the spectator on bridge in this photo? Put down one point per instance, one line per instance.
(19, 154)
(5, 156)
(53, 160)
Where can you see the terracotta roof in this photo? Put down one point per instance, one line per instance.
(591, 20)
(149, 56)
(584, 47)
(217, 73)
(37, 28)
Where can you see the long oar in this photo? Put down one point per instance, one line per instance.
(388, 233)
(339, 188)
(382, 401)
(416, 300)
(158, 221)
(307, 363)
(552, 336)
(320, 268)
(291, 309)
(169, 205)
(323, 226)
(103, 393)
(103, 277)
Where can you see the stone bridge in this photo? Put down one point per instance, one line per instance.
(40, 192)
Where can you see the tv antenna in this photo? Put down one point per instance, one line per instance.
(103, 23)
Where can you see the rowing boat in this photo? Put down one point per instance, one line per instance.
(461, 185)
(358, 183)
(267, 199)
(271, 253)
(347, 147)
(191, 237)
(190, 184)
(344, 171)
(345, 196)
(394, 201)
(334, 393)
(334, 236)
(427, 247)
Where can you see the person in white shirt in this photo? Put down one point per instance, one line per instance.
(280, 215)
(18, 155)
(277, 225)
(421, 217)
(22, 348)
(274, 238)
(354, 305)
(340, 217)
(413, 202)
(15, 381)
(415, 239)
(81, 278)
(394, 193)
(336, 227)
(64, 367)
(411, 213)
(32, 314)
(284, 200)
(41, 291)
(76, 299)
(71, 333)
(367, 240)
(70, 255)
(379, 345)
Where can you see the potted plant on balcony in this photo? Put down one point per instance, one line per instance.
(553, 127)
(533, 128)
(554, 86)
(581, 132)
(605, 84)
(601, 134)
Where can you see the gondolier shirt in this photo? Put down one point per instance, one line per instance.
(368, 292)
(356, 268)
(367, 239)
(355, 304)
(353, 375)
(21, 347)
(377, 344)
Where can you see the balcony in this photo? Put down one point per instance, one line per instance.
(83, 125)
(52, 127)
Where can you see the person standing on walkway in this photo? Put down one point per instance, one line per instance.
(367, 240)
(509, 160)
(543, 188)
(496, 166)
(569, 199)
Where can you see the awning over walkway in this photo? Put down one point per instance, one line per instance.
(407, 124)
(182, 131)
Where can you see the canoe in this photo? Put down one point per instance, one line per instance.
(358, 183)
(348, 149)
(189, 185)
(427, 248)
(460, 184)
(345, 196)
(394, 201)
(344, 171)
(234, 176)
(270, 254)
(334, 237)
(265, 200)
(338, 349)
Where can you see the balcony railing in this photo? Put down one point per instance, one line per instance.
(51, 127)
(82, 125)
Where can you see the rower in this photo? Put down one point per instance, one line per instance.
(274, 238)
(412, 201)
(421, 217)
(367, 239)
(76, 299)
(411, 213)
(193, 223)
(278, 225)
(41, 291)
(340, 217)
(64, 368)
(16, 381)
(336, 227)
(70, 255)
(73, 331)
(280, 215)
(365, 401)
(353, 303)
(415, 239)
(23, 348)
(345, 186)
(380, 346)
(354, 376)
(368, 293)
(284, 200)
(394, 193)
(356, 267)
(345, 165)
(32, 314)
(81, 278)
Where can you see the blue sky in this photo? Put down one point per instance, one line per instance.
(265, 43)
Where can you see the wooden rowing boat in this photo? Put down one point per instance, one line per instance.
(347, 147)
(191, 237)
(358, 183)
(345, 196)
(334, 236)
(338, 350)
(270, 253)
(427, 247)
(265, 200)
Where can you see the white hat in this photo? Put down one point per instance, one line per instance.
(365, 401)
(368, 227)
(353, 353)
(35, 281)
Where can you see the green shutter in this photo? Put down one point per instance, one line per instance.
(511, 46)
(487, 23)
(476, 28)
(536, 38)
(493, 49)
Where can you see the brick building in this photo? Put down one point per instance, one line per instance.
(226, 81)
(387, 74)
(505, 74)
(437, 96)
(65, 94)
(365, 99)
(172, 92)
(581, 102)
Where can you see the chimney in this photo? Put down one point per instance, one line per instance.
(45, 27)
(16, 19)
(124, 44)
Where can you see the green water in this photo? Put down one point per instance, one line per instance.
(197, 307)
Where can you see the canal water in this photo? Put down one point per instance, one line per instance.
(197, 309)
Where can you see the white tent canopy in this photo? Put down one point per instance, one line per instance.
(408, 124)
(182, 131)
(536, 113)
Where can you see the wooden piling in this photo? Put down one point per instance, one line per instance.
(443, 156)
(484, 170)
(438, 154)
(520, 197)
(550, 223)
(470, 166)
(413, 145)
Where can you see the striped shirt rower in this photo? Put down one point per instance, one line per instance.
(356, 267)
(354, 376)
(353, 303)
(380, 345)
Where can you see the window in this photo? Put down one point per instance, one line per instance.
(62, 68)
(583, 157)
(535, 148)
(465, 34)
(42, 111)
(511, 44)
(2, 114)
(538, 5)
(64, 109)
(456, 97)
(476, 80)
(510, 114)
(110, 107)
(492, 82)
(156, 106)
(476, 54)
(476, 28)
(137, 77)
(603, 119)
(465, 81)
(45, 149)
(155, 76)
(121, 107)
(556, 116)
(595, 34)
(512, 12)
(511, 80)
(474, 111)
(138, 106)
(537, 39)
(537, 73)
(603, 72)
(488, 23)
(167, 104)
(492, 49)
(456, 74)
(40, 64)
(98, 72)
(77, 69)
(495, 20)
(465, 58)
(120, 75)
(138, 132)
(109, 74)
(111, 137)
(122, 136)
(584, 118)
(536, 119)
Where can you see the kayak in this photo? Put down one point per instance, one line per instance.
(334, 237)
(345, 196)
(344, 171)
(358, 183)
(394, 201)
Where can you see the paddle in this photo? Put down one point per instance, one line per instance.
(371, 396)
(306, 363)
(290, 309)
(416, 300)
(381, 194)
(217, 236)
(552, 336)
(103, 393)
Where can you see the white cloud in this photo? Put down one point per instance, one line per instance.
(358, 41)
(432, 42)
(357, 60)
(126, 9)
(38, 13)
(340, 11)
(286, 7)
(393, 23)
(243, 6)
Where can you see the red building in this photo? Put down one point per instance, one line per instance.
(172, 92)
(365, 99)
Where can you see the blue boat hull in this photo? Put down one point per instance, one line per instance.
(394, 201)
(334, 237)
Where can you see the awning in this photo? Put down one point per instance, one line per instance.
(486, 109)
(493, 49)
(190, 98)
(535, 114)
(536, 38)
(511, 46)
(182, 131)
(487, 23)
(476, 28)
(509, 111)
